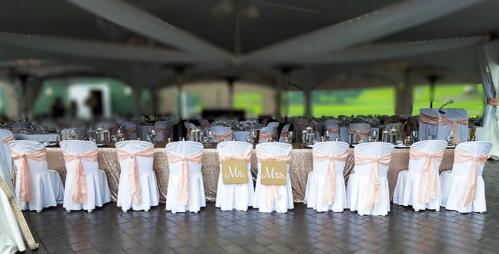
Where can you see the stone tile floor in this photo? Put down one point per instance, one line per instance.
(109, 230)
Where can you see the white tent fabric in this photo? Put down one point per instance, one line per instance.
(6, 158)
(489, 70)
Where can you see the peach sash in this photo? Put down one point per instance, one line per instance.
(219, 137)
(330, 181)
(374, 183)
(183, 195)
(429, 187)
(444, 121)
(80, 183)
(8, 139)
(273, 189)
(39, 155)
(246, 157)
(133, 170)
(470, 191)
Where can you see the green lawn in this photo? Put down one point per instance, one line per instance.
(380, 101)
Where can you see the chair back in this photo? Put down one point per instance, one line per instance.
(275, 149)
(463, 154)
(80, 148)
(360, 131)
(183, 149)
(29, 147)
(332, 129)
(221, 133)
(234, 148)
(372, 150)
(284, 132)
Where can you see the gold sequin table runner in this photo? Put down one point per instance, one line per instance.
(301, 164)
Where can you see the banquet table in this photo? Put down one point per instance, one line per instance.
(300, 165)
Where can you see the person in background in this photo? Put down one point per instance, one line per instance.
(73, 109)
(58, 109)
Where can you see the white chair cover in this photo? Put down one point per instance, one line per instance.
(431, 122)
(221, 133)
(422, 177)
(463, 189)
(130, 130)
(360, 131)
(331, 129)
(235, 196)
(284, 133)
(11, 240)
(317, 127)
(344, 134)
(189, 126)
(281, 197)
(273, 125)
(45, 188)
(97, 188)
(321, 193)
(194, 188)
(147, 193)
(266, 134)
(241, 135)
(6, 171)
(143, 130)
(164, 130)
(368, 192)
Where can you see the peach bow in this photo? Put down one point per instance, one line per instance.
(330, 181)
(39, 155)
(8, 139)
(445, 121)
(184, 178)
(470, 191)
(218, 137)
(274, 189)
(374, 184)
(133, 170)
(80, 184)
(429, 175)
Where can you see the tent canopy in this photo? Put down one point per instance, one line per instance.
(323, 43)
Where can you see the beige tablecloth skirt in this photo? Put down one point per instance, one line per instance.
(301, 164)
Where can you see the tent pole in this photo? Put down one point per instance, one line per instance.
(404, 96)
(432, 80)
(308, 101)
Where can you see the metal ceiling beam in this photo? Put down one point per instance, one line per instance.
(97, 49)
(143, 23)
(365, 28)
(389, 51)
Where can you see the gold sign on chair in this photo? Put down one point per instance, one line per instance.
(234, 171)
(273, 172)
